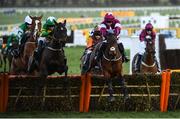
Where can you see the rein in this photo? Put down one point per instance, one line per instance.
(53, 49)
(146, 65)
(113, 60)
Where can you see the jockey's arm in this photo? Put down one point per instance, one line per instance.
(89, 42)
(103, 29)
(153, 37)
(19, 34)
(142, 36)
(117, 29)
(44, 34)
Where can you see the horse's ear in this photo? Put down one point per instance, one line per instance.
(64, 22)
(41, 17)
(55, 22)
(30, 16)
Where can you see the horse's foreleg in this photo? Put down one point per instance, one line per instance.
(66, 85)
(4, 59)
(66, 81)
(124, 88)
(110, 90)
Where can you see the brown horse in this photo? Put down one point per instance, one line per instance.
(148, 63)
(111, 64)
(19, 65)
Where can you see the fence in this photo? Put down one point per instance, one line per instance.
(27, 93)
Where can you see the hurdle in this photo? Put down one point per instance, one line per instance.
(165, 88)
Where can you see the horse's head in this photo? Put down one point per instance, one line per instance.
(35, 27)
(112, 46)
(150, 48)
(60, 32)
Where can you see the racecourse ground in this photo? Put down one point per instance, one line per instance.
(98, 114)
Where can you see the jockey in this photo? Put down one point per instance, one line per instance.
(95, 37)
(47, 31)
(12, 38)
(111, 23)
(147, 32)
(19, 34)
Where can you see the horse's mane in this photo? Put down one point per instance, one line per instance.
(111, 38)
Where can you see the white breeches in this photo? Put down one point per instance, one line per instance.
(142, 47)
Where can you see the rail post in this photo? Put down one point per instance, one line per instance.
(87, 92)
(4, 89)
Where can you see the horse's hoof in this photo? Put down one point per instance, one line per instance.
(111, 99)
(126, 97)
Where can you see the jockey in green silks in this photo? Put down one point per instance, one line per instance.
(18, 34)
(46, 32)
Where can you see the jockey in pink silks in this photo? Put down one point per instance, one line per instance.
(145, 33)
(111, 24)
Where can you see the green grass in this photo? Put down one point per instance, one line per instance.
(99, 114)
(74, 54)
(19, 17)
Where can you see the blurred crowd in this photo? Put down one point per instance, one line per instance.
(84, 3)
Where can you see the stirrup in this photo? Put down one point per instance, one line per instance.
(126, 59)
(136, 70)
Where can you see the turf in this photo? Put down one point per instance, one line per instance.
(98, 114)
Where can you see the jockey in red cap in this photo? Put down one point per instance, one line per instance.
(147, 32)
(110, 23)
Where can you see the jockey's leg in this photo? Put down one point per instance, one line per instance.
(157, 64)
(99, 53)
(121, 49)
(86, 61)
(137, 64)
(38, 50)
(22, 43)
(141, 52)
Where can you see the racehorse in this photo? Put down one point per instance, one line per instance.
(111, 64)
(53, 57)
(148, 63)
(28, 44)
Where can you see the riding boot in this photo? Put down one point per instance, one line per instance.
(121, 49)
(15, 53)
(37, 53)
(137, 64)
(86, 63)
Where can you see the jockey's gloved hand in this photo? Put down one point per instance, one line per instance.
(110, 31)
(28, 32)
(148, 37)
(103, 38)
